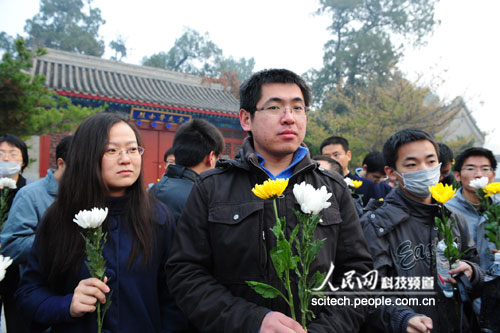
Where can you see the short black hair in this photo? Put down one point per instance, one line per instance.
(374, 162)
(194, 140)
(445, 154)
(63, 147)
(13, 140)
(251, 92)
(335, 140)
(474, 151)
(402, 137)
(334, 165)
(170, 151)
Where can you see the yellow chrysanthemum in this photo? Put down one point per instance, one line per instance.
(356, 183)
(491, 189)
(442, 193)
(381, 199)
(270, 188)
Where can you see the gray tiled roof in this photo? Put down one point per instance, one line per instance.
(88, 75)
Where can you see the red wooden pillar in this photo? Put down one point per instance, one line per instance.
(44, 158)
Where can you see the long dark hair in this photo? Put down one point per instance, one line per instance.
(61, 245)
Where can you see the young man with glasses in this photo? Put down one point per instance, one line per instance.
(224, 238)
(474, 163)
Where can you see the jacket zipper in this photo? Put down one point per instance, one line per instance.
(263, 259)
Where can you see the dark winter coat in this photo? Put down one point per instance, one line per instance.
(224, 239)
(402, 238)
(140, 299)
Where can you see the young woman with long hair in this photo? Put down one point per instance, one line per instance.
(104, 169)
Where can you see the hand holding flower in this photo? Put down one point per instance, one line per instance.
(90, 291)
(85, 296)
(311, 202)
(462, 266)
(278, 322)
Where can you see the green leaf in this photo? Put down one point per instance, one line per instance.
(265, 290)
(277, 262)
(316, 280)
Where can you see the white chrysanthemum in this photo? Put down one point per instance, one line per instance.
(8, 182)
(91, 218)
(479, 183)
(311, 200)
(4, 263)
(348, 181)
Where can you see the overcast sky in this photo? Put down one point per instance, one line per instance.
(463, 52)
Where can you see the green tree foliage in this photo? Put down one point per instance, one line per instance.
(119, 47)
(376, 112)
(363, 33)
(26, 106)
(66, 25)
(195, 53)
(6, 42)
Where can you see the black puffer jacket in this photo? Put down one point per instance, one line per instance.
(402, 238)
(224, 239)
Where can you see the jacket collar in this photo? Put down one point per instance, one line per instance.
(247, 159)
(178, 171)
(396, 209)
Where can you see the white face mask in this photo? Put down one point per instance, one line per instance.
(9, 168)
(417, 182)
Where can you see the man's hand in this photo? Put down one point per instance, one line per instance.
(276, 322)
(462, 267)
(419, 324)
(85, 296)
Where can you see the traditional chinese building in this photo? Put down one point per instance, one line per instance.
(463, 125)
(157, 100)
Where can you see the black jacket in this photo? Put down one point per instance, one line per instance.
(402, 238)
(224, 239)
(174, 187)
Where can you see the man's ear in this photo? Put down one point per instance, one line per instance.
(245, 120)
(390, 172)
(211, 159)
(349, 154)
(365, 167)
(456, 174)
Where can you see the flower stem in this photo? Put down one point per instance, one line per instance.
(290, 295)
(287, 272)
(276, 213)
(99, 319)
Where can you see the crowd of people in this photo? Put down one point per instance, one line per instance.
(178, 255)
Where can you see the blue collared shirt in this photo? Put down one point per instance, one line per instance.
(299, 154)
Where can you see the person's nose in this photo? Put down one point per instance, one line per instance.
(288, 117)
(124, 157)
